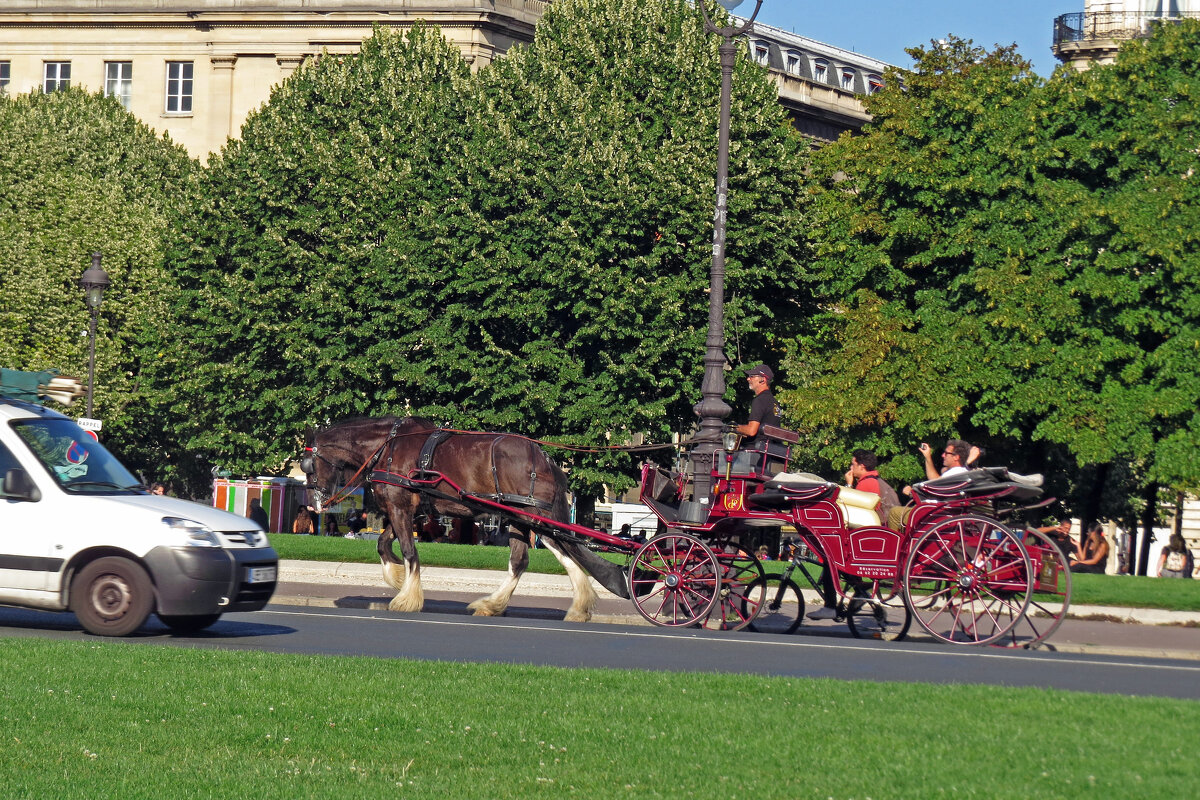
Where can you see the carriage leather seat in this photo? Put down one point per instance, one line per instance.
(786, 488)
(982, 481)
(858, 508)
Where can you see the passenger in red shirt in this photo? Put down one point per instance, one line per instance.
(863, 476)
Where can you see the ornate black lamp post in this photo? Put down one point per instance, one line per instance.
(94, 282)
(712, 408)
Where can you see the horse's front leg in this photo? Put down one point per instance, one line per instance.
(518, 561)
(402, 575)
(584, 597)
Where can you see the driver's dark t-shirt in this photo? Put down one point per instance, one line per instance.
(765, 411)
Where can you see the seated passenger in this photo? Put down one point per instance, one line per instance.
(955, 458)
(864, 477)
(764, 410)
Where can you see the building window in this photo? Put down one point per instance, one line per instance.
(762, 53)
(118, 81)
(5, 75)
(820, 70)
(874, 84)
(848, 78)
(793, 63)
(179, 87)
(57, 76)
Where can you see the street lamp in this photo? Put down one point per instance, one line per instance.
(712, 408)
(94, 282)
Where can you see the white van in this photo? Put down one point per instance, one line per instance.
(78, 533)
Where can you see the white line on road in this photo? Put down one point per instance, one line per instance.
(957, 652)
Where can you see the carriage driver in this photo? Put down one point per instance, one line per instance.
(764, 410)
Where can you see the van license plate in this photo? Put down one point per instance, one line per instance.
(260, 574)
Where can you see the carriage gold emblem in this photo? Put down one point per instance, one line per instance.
(732, 501)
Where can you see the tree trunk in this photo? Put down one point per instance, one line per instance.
(1090, 511)
(585, 511)
(1149, 515)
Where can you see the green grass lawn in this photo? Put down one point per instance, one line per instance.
(117, 720)
(1098, 590)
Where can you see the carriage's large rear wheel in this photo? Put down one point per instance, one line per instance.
(1051, 595)
(674, 580)
(968, 580)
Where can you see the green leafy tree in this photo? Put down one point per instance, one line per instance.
(904, 217)
(303, 280)
(1121, 185)
(1016, 262)
(524, 250)
(78, 174)
(580, 311)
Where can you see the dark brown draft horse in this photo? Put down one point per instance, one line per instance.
(399, 458)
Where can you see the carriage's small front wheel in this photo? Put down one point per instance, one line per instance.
(743, 590)
(674, 580)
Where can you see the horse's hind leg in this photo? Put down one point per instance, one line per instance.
(518, 561)
(584, 599)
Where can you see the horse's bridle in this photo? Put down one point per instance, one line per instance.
(308, 466)
(322, 495)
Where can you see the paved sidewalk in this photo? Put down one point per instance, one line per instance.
(1088, 629)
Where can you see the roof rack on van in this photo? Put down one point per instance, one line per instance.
(38, 387)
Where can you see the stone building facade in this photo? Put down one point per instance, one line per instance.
(196, 68)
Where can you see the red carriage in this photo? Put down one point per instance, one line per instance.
(955, 566)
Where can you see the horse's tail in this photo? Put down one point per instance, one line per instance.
(609, 575)
(393, 567)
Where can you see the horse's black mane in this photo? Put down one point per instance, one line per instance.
(389, 418)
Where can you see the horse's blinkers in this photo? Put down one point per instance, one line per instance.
(307, 464)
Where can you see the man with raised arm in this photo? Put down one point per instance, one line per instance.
(955, 457)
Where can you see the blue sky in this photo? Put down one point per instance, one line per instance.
(883, 28)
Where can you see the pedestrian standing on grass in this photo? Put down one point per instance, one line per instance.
(1176, 559)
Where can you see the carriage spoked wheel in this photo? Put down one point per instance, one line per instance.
(674, 580)
(877, 611)
(968, 580)
(1051, 594)
(743, 588)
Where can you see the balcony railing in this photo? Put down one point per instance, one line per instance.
(1115, 25)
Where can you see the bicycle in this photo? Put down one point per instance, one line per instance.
(867, 612)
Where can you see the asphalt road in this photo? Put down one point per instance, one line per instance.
(454, 637)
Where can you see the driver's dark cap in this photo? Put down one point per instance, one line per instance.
(762, 370)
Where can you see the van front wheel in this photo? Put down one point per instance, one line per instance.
(112, 597)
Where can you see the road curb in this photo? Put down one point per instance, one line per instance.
(320, 584)
(537, 584)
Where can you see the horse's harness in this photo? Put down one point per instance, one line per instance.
(424, 477)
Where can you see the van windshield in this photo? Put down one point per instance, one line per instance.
(76, 461)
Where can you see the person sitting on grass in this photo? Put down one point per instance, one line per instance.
(1093, 552)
